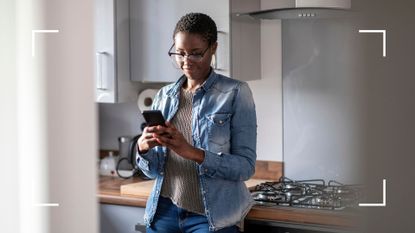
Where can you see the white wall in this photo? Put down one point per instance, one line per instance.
(268, 93)
(22, 129)
(48, 120)
(9, 220)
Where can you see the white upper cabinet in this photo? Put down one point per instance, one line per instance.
(151, 34)
(104, 51)
(112, 46)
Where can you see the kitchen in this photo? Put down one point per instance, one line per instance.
(302, 131)
(263, 53)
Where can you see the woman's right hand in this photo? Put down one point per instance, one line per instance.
(147, 140)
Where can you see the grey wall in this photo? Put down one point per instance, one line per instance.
(321, 100)
(267, 93)
(115, 120)
(120, 119)
(389, 128)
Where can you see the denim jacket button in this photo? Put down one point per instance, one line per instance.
(206, 170)
(161, 173)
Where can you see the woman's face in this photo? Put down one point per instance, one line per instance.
(188, 43)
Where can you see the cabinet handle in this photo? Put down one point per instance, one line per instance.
(101, 80)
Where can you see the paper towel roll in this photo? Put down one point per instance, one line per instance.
(145, 99)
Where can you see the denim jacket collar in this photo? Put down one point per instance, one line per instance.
(175, 89)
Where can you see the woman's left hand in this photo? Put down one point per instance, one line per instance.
(173, 139)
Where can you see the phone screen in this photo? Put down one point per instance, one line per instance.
(154, 117)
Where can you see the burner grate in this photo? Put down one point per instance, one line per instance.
(307, 194)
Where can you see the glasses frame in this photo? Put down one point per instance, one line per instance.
(188, 55)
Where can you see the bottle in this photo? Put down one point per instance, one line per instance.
(107, 165)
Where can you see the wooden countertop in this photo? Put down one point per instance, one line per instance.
(109, 193)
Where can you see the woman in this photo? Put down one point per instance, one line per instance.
(207, 150)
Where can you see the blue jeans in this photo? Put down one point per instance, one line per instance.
(171, 219)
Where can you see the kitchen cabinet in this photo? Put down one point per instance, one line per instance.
(253, 226)
(121, 219)
(152, 26)
(112, 52)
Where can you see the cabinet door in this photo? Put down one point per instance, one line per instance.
(245, 41)
(105, 51)
(112, 37)
(121, 219)
(152, 25)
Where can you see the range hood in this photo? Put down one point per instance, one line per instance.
(300, 9)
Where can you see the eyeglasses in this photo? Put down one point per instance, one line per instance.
(179, 57)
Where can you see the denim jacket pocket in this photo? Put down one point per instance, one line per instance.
(219, 131)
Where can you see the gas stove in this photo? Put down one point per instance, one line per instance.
(314, 194)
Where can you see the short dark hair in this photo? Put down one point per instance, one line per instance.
(198, 23)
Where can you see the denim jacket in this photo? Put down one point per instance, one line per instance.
(224, 127)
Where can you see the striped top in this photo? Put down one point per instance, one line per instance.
(181, 180)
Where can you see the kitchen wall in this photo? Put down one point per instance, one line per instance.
(322, 100)
(268, 93)
(120, 119)
(115, 120)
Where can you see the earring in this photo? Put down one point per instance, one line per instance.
(213, 62)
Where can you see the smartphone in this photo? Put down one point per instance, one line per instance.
(154, 117)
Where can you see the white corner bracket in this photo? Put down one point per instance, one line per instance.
(46, 204)
(383, 204)
(33, 37)
(383, 36)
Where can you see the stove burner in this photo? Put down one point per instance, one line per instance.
(307, 194)
(268, 196)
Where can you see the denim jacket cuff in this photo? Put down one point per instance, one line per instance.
(142, 159)
(210, 163)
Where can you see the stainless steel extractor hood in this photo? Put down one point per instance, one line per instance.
(301, 9)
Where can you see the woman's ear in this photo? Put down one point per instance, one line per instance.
(213, 58)
(214, 47)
